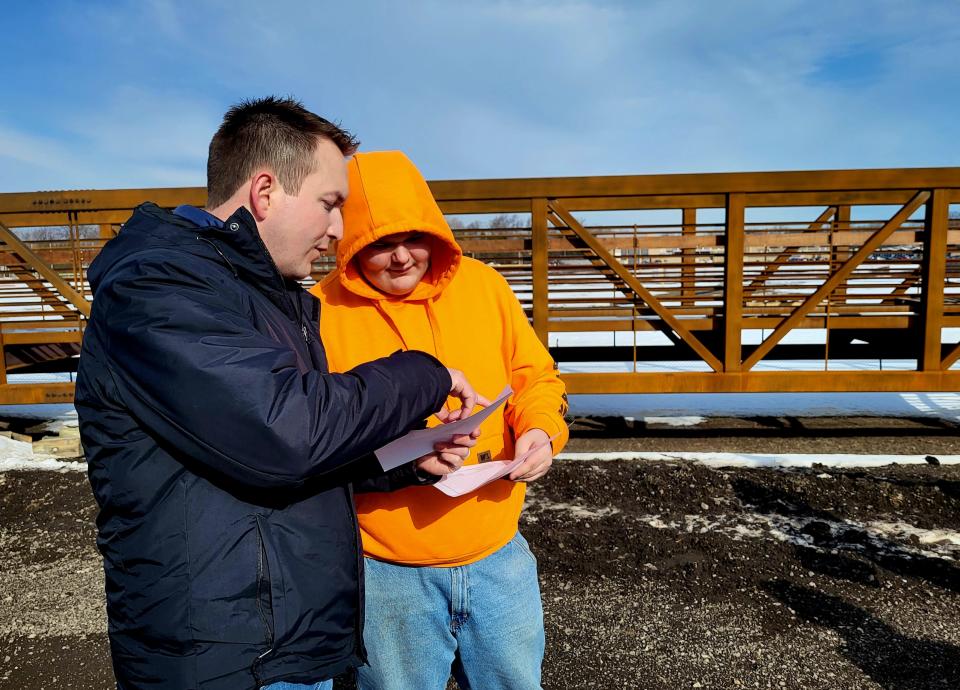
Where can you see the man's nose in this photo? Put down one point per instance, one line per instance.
(335, 231)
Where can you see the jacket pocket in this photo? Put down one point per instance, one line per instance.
(264, 585)
(230, 599)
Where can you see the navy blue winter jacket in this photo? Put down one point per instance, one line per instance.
(220, 452)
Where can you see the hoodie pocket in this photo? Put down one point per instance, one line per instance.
(490, 446)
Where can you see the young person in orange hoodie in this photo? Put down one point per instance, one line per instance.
(451, 585)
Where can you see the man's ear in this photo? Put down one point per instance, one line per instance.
(263, 189)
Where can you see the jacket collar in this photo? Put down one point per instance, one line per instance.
(239, 243)
(236, 243)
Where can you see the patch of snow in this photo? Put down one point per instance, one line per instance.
(902, 530)
(881, 537)
(49, 464)
(657, 523)
(18, 455)
(933, 405)
(15, 451)
(773, 460)
(674, 421)
(576, 510)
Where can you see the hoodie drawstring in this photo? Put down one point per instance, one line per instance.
(438, 350)
(432, 321)
(435, 331)
(393, 324)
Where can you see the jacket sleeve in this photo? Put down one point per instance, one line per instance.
(539, 400)
(370, 478)
(197, 375)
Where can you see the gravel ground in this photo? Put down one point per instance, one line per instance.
(680, 576)
(654, 575)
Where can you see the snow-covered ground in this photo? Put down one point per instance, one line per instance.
(691, 405)
(770, 460)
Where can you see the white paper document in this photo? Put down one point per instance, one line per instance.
(421, 441)
(471, 477)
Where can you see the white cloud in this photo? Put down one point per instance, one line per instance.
(505, 89)
(137, 123)
(28, 149)
(134, 138)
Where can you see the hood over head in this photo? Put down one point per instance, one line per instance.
(388, 195)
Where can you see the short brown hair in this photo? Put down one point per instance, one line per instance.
(278, 133)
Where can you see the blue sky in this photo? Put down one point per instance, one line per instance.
(127, 94)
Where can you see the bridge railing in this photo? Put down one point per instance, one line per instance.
(780, 281)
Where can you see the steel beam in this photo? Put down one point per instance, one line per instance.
(611, 262)
(764, 382)
(35, 393)
(733, 283)
(677, 288)
(838, 277)
(933, 277)
(540, 267)
(36, 263)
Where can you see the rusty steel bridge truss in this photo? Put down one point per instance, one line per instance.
(762, 282)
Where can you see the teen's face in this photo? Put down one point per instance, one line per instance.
(298, 228)
(394, 264)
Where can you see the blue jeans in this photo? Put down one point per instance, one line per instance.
(283, 685)
(483, 622)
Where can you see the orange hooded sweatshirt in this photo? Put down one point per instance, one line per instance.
(464, 313)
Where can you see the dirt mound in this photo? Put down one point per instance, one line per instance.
(676, 576)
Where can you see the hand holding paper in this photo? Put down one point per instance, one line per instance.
(535, 446)
(448, 456)
(421, 441)
(469, 398)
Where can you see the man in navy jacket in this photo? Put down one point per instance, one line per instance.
(220, 450)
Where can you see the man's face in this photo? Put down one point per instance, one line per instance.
(395, 263)
(298, 229)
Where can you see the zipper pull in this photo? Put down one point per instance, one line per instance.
(303, 329)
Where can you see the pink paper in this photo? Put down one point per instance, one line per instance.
(472, 477)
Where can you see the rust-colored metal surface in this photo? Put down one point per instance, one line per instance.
(840, 280)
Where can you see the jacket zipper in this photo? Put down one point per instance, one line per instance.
(358, 543)
(298, 307)
(262, 567)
